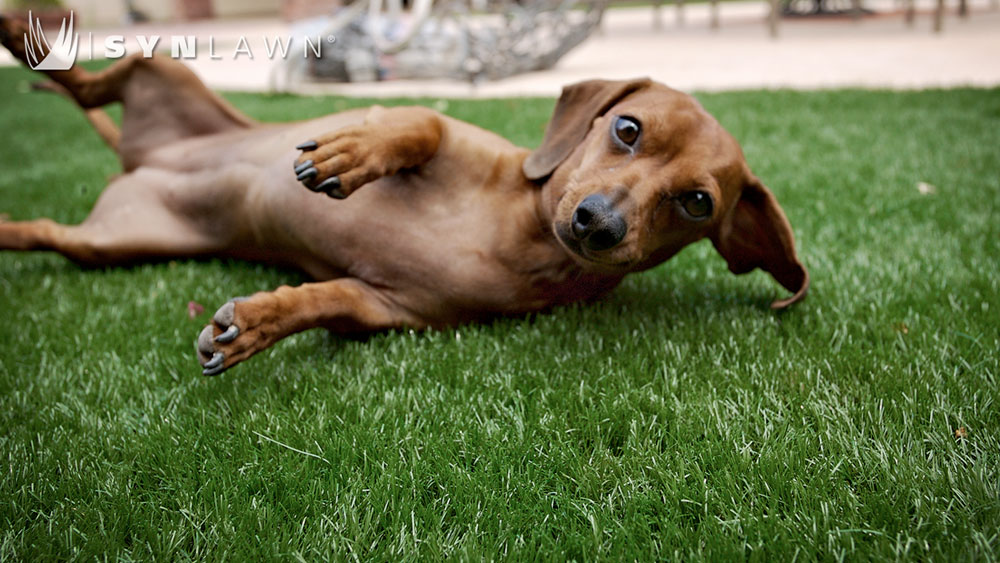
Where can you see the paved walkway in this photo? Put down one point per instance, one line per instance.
(878, 51)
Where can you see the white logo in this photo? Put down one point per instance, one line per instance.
(42, 55)
(59, 56)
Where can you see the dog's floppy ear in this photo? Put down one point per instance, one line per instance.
(577, 108)
(756, 234)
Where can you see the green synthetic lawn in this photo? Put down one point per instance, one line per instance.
(679, 418)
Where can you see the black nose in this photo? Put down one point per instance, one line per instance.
(597, 225)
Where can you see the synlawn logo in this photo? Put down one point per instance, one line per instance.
(44, 56)
(62, 54)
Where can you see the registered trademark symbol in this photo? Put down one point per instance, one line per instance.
(331, 39)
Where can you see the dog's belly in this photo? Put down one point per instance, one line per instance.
(437, 245)
(456, 240)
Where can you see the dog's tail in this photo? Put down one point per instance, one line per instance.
(99, 118)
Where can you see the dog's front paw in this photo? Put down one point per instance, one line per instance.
(339, 163)
(232, 337)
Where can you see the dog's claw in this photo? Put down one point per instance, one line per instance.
(216, 361)
(307, 174)
(308, 146)
(300, 168)
(231, 333)
(214, 366)
(332, 188)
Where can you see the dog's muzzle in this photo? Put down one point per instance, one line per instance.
(597, 225)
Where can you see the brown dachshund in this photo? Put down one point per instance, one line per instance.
(407, 217)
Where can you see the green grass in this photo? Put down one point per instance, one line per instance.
(677, 419)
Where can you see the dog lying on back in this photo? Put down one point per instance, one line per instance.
(406, 217)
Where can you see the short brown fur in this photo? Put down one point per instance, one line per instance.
(432, 222)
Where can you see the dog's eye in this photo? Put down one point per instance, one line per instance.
(627, 130)
(697, 204)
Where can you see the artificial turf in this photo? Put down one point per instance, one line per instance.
(680, 418)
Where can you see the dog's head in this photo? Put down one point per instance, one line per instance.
(635, 171)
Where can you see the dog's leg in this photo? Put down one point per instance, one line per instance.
(390, 140)
(151, 236)
(244, 326)
(137, 217)
(163, 100)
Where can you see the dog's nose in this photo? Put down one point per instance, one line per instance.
(597, 225)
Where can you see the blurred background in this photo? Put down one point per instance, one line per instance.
(488, 48)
